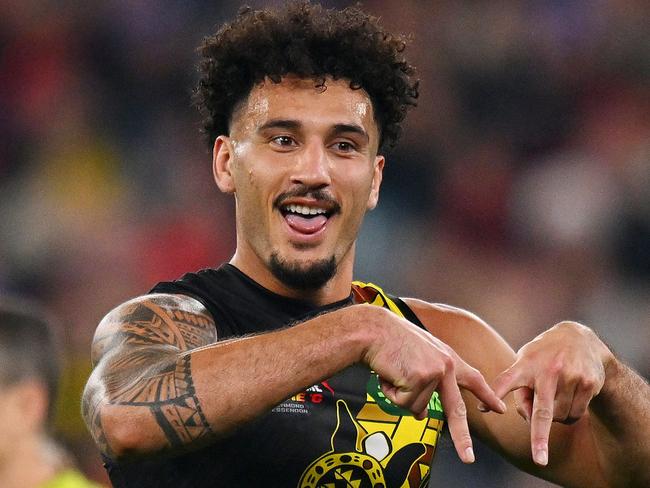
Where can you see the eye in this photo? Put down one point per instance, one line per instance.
(283, 141)
(343, 146)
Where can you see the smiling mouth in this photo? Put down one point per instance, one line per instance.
(307, 219)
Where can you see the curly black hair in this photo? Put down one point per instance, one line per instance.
(309, 41)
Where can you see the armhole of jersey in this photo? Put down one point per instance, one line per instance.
(174, 290)
(406, 311)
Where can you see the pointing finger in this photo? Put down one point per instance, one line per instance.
(542, 418)
(472, 380)
(456, 412)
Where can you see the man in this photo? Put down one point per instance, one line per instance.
(29, 372)
(276, 369)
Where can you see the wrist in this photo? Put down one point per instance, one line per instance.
(361, 328)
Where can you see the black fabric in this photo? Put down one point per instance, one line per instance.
(406, 311)
(277, 449)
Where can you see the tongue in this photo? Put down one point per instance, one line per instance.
(306, 225)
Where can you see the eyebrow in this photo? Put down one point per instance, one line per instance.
(346, 128)
(280, 124)
(291, 124)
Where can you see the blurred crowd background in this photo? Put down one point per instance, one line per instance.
(520, 189)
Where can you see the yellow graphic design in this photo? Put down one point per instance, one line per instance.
(391, 450)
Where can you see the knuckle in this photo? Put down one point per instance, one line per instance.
(569, 324)
(420, 378)
(448, 362)
(556, 366)
(587, 384)
(566, 323)
(459, 411)
(543, 413)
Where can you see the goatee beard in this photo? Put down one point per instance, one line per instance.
(303, 277)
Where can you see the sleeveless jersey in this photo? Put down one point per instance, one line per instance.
(341, 432)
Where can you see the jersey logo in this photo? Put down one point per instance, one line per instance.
(372, 462)
(303, 402)
(391, 449)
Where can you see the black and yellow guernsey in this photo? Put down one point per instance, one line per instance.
(341, 432)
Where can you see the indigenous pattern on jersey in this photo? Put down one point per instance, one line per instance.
(391, 448)
(341, 432)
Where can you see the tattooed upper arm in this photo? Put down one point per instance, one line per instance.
(169, 320)
(141, 352)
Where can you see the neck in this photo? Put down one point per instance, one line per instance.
(337, 288)
(31, 463)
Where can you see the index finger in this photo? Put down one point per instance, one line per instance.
(542, 418)
(472, 380)
(456, 413)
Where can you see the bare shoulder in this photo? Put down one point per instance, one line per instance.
(470, 336)
(178, 321)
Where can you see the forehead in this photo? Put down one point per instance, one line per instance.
(304, 100)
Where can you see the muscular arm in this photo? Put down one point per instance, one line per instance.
(621, 424)
(163, 381)
(608, 446)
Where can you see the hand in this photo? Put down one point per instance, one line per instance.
(554, 379)
(412, 363)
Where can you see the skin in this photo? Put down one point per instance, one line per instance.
(27, 457)
(281, 144)
(293, 139)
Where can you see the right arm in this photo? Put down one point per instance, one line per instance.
(163, 381)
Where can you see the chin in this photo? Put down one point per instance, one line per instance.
(303, 274)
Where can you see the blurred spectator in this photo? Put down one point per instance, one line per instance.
(29, 374)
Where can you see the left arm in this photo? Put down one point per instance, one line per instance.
(586, 414)
(566, 374)
(621, 419)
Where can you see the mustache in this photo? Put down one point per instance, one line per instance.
(303, 191)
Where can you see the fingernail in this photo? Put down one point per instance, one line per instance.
(503, 406)
(541, 457)
(483, 408)
(469, 455)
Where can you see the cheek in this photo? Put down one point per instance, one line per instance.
(361, 189)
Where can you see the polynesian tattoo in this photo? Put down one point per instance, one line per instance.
(144, 360)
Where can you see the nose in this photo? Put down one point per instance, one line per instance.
(312, 167)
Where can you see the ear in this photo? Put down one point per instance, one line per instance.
(222, 154)
(377, 176)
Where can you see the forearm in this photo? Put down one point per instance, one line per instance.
(284, 363)
(620, 417)
(186, 397)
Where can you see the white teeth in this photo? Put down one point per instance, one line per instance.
(304, 210)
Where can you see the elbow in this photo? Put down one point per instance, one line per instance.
(128, 432)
